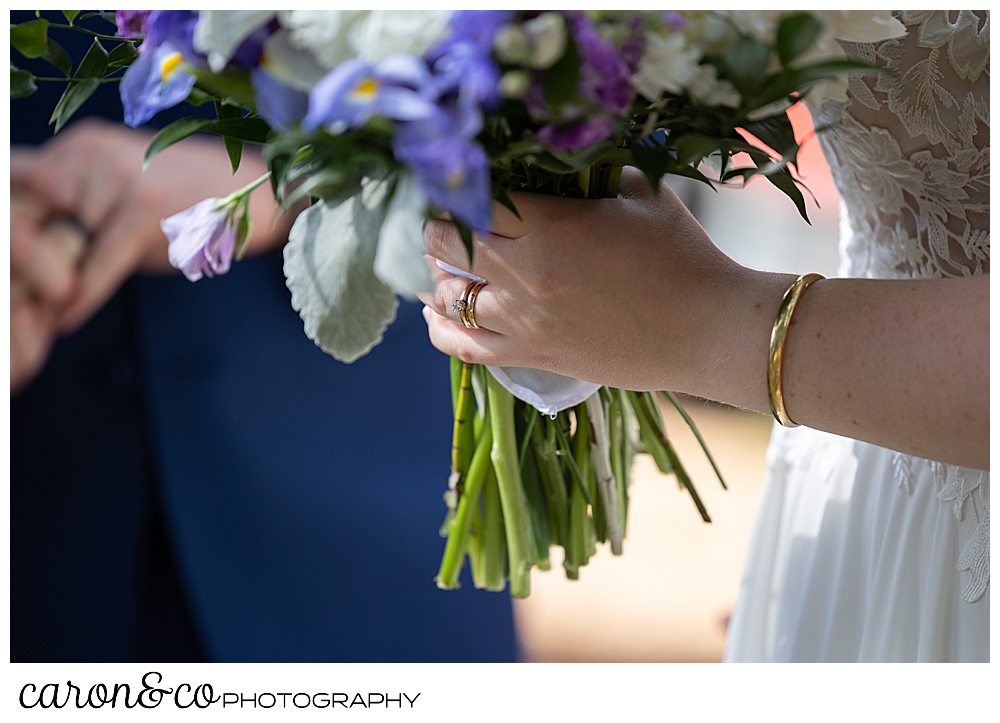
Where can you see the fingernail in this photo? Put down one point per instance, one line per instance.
(426, 311)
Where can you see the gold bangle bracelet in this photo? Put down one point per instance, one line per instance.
(778, 332)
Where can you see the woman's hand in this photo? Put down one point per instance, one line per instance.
(631, 292)
(628, 292)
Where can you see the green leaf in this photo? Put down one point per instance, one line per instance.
(75, 94)
(786, 184)
(230, 84)
(199, 97)
(55, 54)
(795, 34)
(70, 15)
(560, 81)
(244, 227)
(254, 130)
(170, 134)
(234, 147)
(692, 148)
(466, 235)
(500, 194)
(652, 160)
(94, 63)
(746, 62)
(22, 83)
(122, 56)
(31, 38)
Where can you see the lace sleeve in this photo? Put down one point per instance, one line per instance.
(910, 151)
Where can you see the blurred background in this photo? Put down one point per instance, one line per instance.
(668, 598)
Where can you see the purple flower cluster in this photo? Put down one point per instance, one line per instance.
(605, 80)
(132, 23)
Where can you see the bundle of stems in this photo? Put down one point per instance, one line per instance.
(522, 481)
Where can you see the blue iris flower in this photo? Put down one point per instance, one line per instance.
(157, 80)
(175, 27)
(277, 103)
(453, 170)
(398, 88)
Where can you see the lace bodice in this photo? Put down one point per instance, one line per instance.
(910, 153)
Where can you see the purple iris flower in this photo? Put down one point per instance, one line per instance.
(156, 81)
(131, 23)
(573, 136)
(453, 172)
(277, 103)
(472, 26)
(467, 70)
(175, 27)
(398, 88)
(201, 240)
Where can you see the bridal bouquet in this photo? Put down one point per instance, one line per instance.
(382, 120)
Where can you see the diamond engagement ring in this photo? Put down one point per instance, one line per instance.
(466, 306)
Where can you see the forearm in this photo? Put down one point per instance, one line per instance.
(900, 364)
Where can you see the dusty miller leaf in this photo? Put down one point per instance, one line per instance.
(329, 263)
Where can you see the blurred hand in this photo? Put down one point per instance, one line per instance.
(93, 171)
(44, 261)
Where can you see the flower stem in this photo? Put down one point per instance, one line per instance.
(515, 514)
(606, 485)
(451, 563)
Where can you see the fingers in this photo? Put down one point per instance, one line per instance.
(44, 264)
(449, 291)
(32, 330)
(476, 346)
(114, 255)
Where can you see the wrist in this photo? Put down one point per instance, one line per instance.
(734, 361)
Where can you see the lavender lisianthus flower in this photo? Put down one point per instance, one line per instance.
(573, 136)
(398, 88)
(201, 240)
(157, 80)
(453, 171)
(131, 23)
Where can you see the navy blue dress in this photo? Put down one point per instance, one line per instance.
(193, 479)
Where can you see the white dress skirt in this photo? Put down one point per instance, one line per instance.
(860, 553)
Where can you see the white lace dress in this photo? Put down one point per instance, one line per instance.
(860, 553)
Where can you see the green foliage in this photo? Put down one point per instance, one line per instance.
(253, 130)
(122, 56)
(234, 146)
(30, 38)
(561, 79)
(70, 15)
(22, 83)
(73, 97)
(58, 57)
(795, 34)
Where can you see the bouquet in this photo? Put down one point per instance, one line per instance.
(382, 120)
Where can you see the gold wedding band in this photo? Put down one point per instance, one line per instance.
(466, 306)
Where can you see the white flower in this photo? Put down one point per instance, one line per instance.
(388, 32)
(706, 87)
(399, 259)
(323, 32)
(667, 64)
(295, 67)
(219, 33)
(333, 36)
